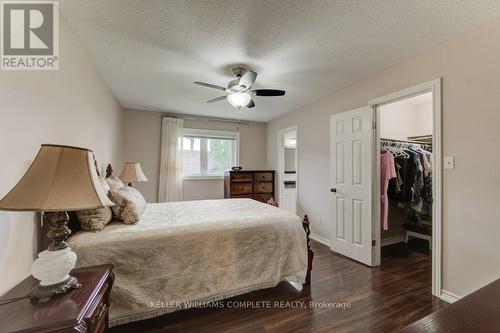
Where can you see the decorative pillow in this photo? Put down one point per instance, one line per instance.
(129, 204)
(94, 219)
(104, 184)
(114, 182)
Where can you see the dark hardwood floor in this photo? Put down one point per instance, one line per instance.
(381, 299)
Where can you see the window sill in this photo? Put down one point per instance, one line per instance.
(203, 178)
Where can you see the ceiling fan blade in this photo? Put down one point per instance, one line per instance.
(248, 79)
(208, 85)
(251, 104)
(217, 99)
(269, 92)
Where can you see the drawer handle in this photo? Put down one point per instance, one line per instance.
(100, 313)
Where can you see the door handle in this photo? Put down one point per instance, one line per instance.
(333, 190)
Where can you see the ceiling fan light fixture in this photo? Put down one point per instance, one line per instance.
(239, 99)
(239, 90)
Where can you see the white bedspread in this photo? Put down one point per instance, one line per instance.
(194, 251)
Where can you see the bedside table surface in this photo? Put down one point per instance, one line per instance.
(61, 311)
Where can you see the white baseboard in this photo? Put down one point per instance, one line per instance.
(320, 239)
(384, 242)
(392, 240)
(448, 296)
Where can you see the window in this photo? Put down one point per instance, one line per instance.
(207, 153)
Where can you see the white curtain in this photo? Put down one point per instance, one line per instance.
(170, 188)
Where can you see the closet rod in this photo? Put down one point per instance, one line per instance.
(407, 141)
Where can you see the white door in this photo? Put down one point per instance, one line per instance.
(351, 138)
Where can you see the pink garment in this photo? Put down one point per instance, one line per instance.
(387, 172)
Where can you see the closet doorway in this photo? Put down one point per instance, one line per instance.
(407, 176)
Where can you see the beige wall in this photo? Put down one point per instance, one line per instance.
(71, 106)
(142, 136)
(423, 118)
(141, 143)
(402, 119)
(471, 126)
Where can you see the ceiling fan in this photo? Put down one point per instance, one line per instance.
(239, 90)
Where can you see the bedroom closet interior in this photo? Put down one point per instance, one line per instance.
(406, 128)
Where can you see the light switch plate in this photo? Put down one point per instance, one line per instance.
(449, 162)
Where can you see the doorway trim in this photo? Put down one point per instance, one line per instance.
(280, 146)
(433, 86)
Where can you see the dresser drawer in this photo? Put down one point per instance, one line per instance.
(263, 187)
(263, 176)
(262, 197)
(98, 324)
(243, 196)
(249, 184)
(241, 188)
(99, 318)
(241, 177)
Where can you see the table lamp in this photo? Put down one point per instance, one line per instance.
(132, 173)
(60, 179)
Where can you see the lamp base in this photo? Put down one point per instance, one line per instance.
(53, 266)
(42, 293)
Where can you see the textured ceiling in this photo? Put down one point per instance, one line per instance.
(150, 52)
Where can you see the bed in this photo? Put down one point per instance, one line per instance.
(188, 254)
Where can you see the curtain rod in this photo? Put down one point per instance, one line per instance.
(220, 120)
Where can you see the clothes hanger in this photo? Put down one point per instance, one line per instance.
(394, 149)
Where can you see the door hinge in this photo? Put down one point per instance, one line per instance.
(374, 242)
(374, 124)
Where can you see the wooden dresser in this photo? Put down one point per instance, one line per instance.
(253, 184)
(83, 310)
(476, 312)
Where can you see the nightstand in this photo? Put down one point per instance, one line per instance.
(79, 310)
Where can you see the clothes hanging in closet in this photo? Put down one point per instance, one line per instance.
(411, 186)
(388, 172)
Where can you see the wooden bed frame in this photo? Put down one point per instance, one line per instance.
(74, 226)
(310, 253)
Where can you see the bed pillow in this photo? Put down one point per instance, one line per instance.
(94, 219)
(114, 183)
(104, 184)
(129, 206)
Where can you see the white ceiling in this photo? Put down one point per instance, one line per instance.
(150, 52)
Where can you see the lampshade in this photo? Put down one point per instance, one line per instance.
(132, 173)
(239, 99)
(61, 178)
